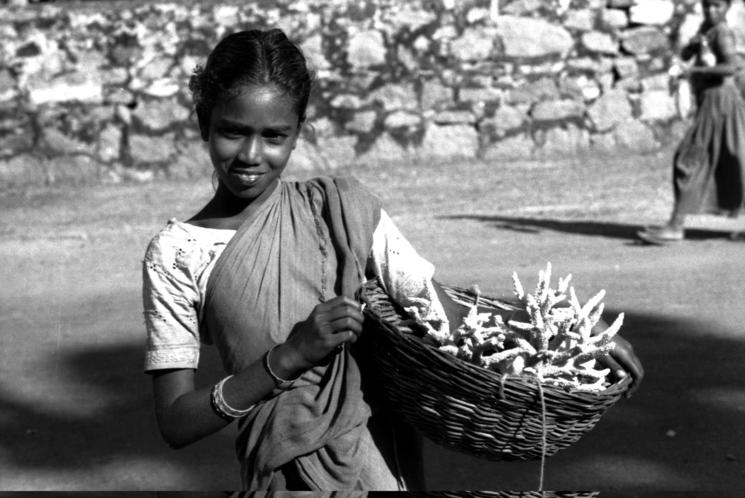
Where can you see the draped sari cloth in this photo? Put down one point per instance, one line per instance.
(709, 163)
(302, 243)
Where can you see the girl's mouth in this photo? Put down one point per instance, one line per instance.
(246, 177)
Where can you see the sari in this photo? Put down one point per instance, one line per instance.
(302, 243)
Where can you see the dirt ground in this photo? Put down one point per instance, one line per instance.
(75, 407)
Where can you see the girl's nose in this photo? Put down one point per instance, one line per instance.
(251, 151)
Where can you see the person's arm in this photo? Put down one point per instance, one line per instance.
(727, 59)
(691, 48)
(184, 412)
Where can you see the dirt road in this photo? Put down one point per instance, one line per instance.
(75, 409)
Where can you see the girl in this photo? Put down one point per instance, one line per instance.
(266, 272)
(708, 173)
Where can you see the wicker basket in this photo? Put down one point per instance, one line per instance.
(466, 407)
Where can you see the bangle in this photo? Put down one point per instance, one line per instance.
(278, 381)
(221, 407)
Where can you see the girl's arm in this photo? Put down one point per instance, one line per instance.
(185, 414)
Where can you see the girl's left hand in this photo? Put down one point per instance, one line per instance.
(623, 361)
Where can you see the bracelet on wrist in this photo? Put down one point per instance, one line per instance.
(221, 407)
(279, 382)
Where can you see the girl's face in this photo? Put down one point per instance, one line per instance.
(714, 10)
(251, 137)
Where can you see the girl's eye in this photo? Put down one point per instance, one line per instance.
(274, 138)
(230, 133)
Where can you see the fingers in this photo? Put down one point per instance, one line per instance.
(340, 319)
(339, 309)
(622, 358)
(616, 369)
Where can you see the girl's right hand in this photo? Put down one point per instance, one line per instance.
(329, 325)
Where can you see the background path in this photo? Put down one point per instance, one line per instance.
(75, 408)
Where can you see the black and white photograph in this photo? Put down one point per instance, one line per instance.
(437, 248)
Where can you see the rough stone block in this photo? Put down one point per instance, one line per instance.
(614, 18)
(657, 105)
(652, 12)
(394, 96)
(362, 122)
(643, 40)
(454, 117)
(554, 110)
(528, 37)
(23, 169)
(563, 141)
(160, 114)
(145, 149)
(108, 146)
(580, 20)
(529, 92)
(192, 161)
(474, 44)
(458, 140)
(479, 95)
(514, 147)
(402, 119)
(599, 42)
(66, 88)
(626, 67)
(635, 136)
(75, 169)
(609, 110)
(365, 49)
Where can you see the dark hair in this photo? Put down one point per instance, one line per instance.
(252, 57)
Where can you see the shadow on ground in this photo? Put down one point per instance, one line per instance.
(683, 430)
(115, 437)
(593, 228)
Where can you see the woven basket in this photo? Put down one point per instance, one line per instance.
(466, 407)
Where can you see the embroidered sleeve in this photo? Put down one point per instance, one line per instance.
(170, 301)
(406, 276)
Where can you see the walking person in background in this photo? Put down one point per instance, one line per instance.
(709, 163)
(267, 271)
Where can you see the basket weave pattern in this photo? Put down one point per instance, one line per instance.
(466, 407)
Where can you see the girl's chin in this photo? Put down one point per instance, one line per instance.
(250, 190)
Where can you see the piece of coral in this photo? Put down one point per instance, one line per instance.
(554, 343)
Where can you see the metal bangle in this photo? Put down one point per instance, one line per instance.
(278, 381)
(221, 407)
(216, 408)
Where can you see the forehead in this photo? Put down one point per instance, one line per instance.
(257, 102)
(715, 3)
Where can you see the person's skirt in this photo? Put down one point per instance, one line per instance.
(709, 164)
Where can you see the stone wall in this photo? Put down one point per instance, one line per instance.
(98, 91)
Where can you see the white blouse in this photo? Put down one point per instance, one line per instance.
(180, 258)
